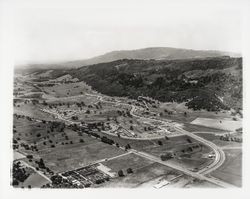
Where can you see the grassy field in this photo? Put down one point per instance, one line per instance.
(69, 89)
(200, 184)
(73, 99)
(76, 156)
(35, 180)
(178, 110)
(195, 160)
(231, 170)
(144, 144)
(28, 132)
(132, 161)
(198, 128)
(72, 156)
(68, 152)
(141, 175)
(32, 111)
(216, 140)
(224, 124)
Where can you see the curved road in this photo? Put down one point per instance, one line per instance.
(219, 153)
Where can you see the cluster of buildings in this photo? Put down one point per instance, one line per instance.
(86, 176)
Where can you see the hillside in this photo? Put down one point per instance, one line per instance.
(210, 83)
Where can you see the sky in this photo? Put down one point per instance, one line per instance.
(53, 30)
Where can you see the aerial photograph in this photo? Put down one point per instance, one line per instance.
(123, 98)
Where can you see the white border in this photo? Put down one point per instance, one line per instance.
(6, 110)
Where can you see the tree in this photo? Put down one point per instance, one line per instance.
(189, 141)
(190, 149)
(74, 117)
(129, 170)
(131, 128)
(56, 179)
(81, 140)
(128, 146)
(15, 182)
(120, 173)
(166, 156)
(29, 156)
(159, 142)
(88, 111)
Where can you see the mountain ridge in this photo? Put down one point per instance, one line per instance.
(157, 53)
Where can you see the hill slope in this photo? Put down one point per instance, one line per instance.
(210, 83)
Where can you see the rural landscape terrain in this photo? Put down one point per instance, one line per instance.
(146, 118)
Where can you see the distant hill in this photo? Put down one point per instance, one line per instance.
(157, 53)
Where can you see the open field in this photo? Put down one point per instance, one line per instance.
(231, 170)
(216, 140)
(197, 128)
(61, 151)
(195, 160)
(131, 160)
(64, 90)
(200, 184)
(33, 132)
(178, 110)
(18, 155)
(140, 176)
(224, 124)
(34, 180)
(32, 111)
(72, 156)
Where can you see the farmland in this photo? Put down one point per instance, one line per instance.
(141, 175)
(71, 136)
(224, 124)
(231, 170)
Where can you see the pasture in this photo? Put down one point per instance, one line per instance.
(231, 170)
(141, 175)
(224, 124)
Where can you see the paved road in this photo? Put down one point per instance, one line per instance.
(184, 170)
(219, 154)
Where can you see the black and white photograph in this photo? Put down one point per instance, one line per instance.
(111, 95)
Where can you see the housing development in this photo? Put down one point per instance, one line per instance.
(129, 123)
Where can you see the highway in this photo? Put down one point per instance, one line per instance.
(184, 170)
(219, 154)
